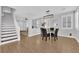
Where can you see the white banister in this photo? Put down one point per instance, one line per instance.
(17, 28)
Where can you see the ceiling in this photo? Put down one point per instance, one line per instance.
(32, 12)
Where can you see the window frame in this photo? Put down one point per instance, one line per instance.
(71, 15)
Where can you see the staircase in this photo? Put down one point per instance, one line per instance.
(10, 31)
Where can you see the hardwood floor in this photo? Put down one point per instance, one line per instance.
(36, 45)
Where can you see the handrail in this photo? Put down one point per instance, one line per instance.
(17, 28)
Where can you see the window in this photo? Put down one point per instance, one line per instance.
(67, 21)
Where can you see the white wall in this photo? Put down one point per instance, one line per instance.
(7, 19)
(77, 24)
(22, 23)
(32, 31)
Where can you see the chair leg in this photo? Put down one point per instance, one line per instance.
(57, 38)
(42, 38)
(54, 38)
(46, 39)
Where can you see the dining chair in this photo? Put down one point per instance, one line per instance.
(55, 34)
(44, 34)
(52, 29)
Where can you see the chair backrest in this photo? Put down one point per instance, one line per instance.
(43, 31)
(52, 29)
(56, 32)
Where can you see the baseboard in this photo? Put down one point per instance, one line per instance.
(77, 39)
(9, 42)
(33, 35)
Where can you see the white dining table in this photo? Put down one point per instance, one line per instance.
(50, 31)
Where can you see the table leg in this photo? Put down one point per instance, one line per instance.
(50, 36)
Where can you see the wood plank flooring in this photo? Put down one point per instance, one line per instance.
(36, 45)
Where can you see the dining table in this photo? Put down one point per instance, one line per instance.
(49, 31)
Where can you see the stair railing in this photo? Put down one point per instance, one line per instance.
(17, 28)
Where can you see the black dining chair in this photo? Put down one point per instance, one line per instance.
(44, 34)
(52, 29)
(55, 34)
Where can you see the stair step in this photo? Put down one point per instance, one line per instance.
(8, 35)
(6, 38)
(7, 25)
(4, 23)
(8, 30)
(4, 33)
